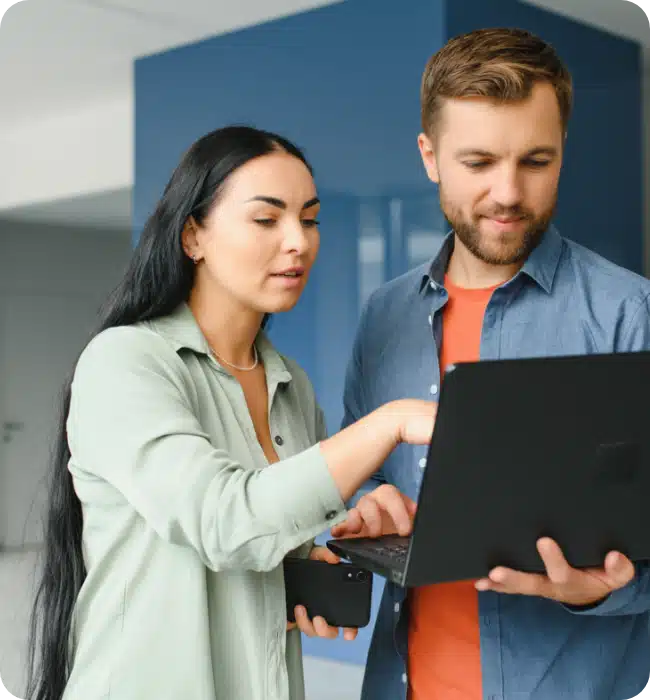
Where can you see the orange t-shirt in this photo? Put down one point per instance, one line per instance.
(444, 645)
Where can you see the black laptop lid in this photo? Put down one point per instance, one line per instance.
(556, 447)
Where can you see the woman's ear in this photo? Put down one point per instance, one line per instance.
(190, 241)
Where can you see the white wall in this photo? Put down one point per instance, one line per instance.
(52, 282)
(40, 267)
(42, 259)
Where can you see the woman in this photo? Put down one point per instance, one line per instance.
(195, 456)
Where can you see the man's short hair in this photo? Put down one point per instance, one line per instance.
(500, 64)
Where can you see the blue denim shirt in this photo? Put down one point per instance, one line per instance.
(565, 300)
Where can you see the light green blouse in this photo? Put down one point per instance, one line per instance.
(185, 522)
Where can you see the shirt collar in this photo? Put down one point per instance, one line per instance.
(541, 265)
(182, 331)
(434, 277)
(543, 262)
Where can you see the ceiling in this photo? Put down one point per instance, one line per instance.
(56, 55)
(621, 17)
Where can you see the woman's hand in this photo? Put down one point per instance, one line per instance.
(318, 627)
(382, 511)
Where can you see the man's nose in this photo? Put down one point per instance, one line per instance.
(507, 189)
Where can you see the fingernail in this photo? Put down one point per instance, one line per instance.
(482, 585)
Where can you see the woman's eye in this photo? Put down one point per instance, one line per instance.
(267, 223)
(310, 223)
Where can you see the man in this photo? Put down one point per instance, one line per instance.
(495, 108)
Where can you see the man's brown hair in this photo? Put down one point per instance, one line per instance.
(501, 64)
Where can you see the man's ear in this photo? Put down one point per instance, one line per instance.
(428, 153)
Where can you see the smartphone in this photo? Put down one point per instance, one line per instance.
(340, 593)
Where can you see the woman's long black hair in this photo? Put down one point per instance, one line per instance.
(158, 279)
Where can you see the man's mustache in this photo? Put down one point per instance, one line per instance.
(515, 212)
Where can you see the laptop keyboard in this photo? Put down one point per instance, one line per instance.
(396, 552)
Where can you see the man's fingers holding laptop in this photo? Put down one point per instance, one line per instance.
(563, 583)
(383, 511)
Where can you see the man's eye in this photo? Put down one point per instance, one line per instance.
(537, 163)
(310, 223)
(267, 223)
(476, 164)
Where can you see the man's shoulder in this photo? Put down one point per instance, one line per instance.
(602, 276)
(392, 295)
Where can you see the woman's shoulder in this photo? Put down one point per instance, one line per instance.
(133, 349)
(124, 341)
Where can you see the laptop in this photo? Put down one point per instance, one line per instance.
(521, 449)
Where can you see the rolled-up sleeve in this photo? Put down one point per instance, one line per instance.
(632, 599)
(132, 424)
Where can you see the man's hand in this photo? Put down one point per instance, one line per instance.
(318, 627)
(562, 583)
(383, 511)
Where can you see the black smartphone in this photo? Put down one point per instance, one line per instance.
(340, 593)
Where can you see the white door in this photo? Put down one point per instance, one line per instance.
(40, 339)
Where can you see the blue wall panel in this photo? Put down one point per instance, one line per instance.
(342, 81)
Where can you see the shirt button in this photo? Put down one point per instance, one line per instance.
(396, 608)
(434, 389)
(404, 678)
(330, 515)
(422, 463)
(279, 440)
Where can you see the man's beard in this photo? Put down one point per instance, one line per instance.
(510, 249)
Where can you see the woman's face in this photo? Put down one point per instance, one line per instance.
(257, 246)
